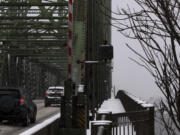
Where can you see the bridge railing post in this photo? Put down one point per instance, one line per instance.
(104, 115)
(101, 127)
(151, 121)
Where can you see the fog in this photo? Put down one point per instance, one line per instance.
(127, 75)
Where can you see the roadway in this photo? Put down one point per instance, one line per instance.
(43, 113)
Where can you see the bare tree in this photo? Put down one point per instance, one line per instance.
(156, 26)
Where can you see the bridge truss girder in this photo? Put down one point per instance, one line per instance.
(33, 38)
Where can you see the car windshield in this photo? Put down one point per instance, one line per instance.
(13, 93)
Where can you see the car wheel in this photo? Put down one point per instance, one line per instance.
(33, 119)
(26, 121)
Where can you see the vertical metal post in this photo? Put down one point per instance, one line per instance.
(24, 73)
(73, 112)
(104, 115)
(101, 128)
(70, 37)
(151, 121)
(68, 103)
(9, 70)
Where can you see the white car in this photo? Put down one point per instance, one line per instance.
(53, 95)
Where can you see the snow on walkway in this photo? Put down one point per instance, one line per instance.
(113, 105)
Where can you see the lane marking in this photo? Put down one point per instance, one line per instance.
(38, 127)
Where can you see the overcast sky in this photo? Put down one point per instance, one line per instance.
(127, 75)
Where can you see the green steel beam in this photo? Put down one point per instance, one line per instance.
(58, 62)
(32, 17)
(32, 23)
(34, 28)
(33, 34)
(20, 4)
(27, 33)
(50, 58)
(28, 40)
(35, 44)
(48, 44)
(35, 49)
(36, 55)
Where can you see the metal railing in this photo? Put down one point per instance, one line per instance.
(137, 120)
(129, 123)
(132, 123)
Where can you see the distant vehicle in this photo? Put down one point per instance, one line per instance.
(53, 95)
(15, 105)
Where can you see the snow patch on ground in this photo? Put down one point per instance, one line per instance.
(88, 132)
(138, 101)
(113, 105)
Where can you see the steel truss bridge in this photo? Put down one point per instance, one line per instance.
(34, 55)
(33, 38)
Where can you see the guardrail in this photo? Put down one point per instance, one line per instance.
(133, 104)
(132, 123)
